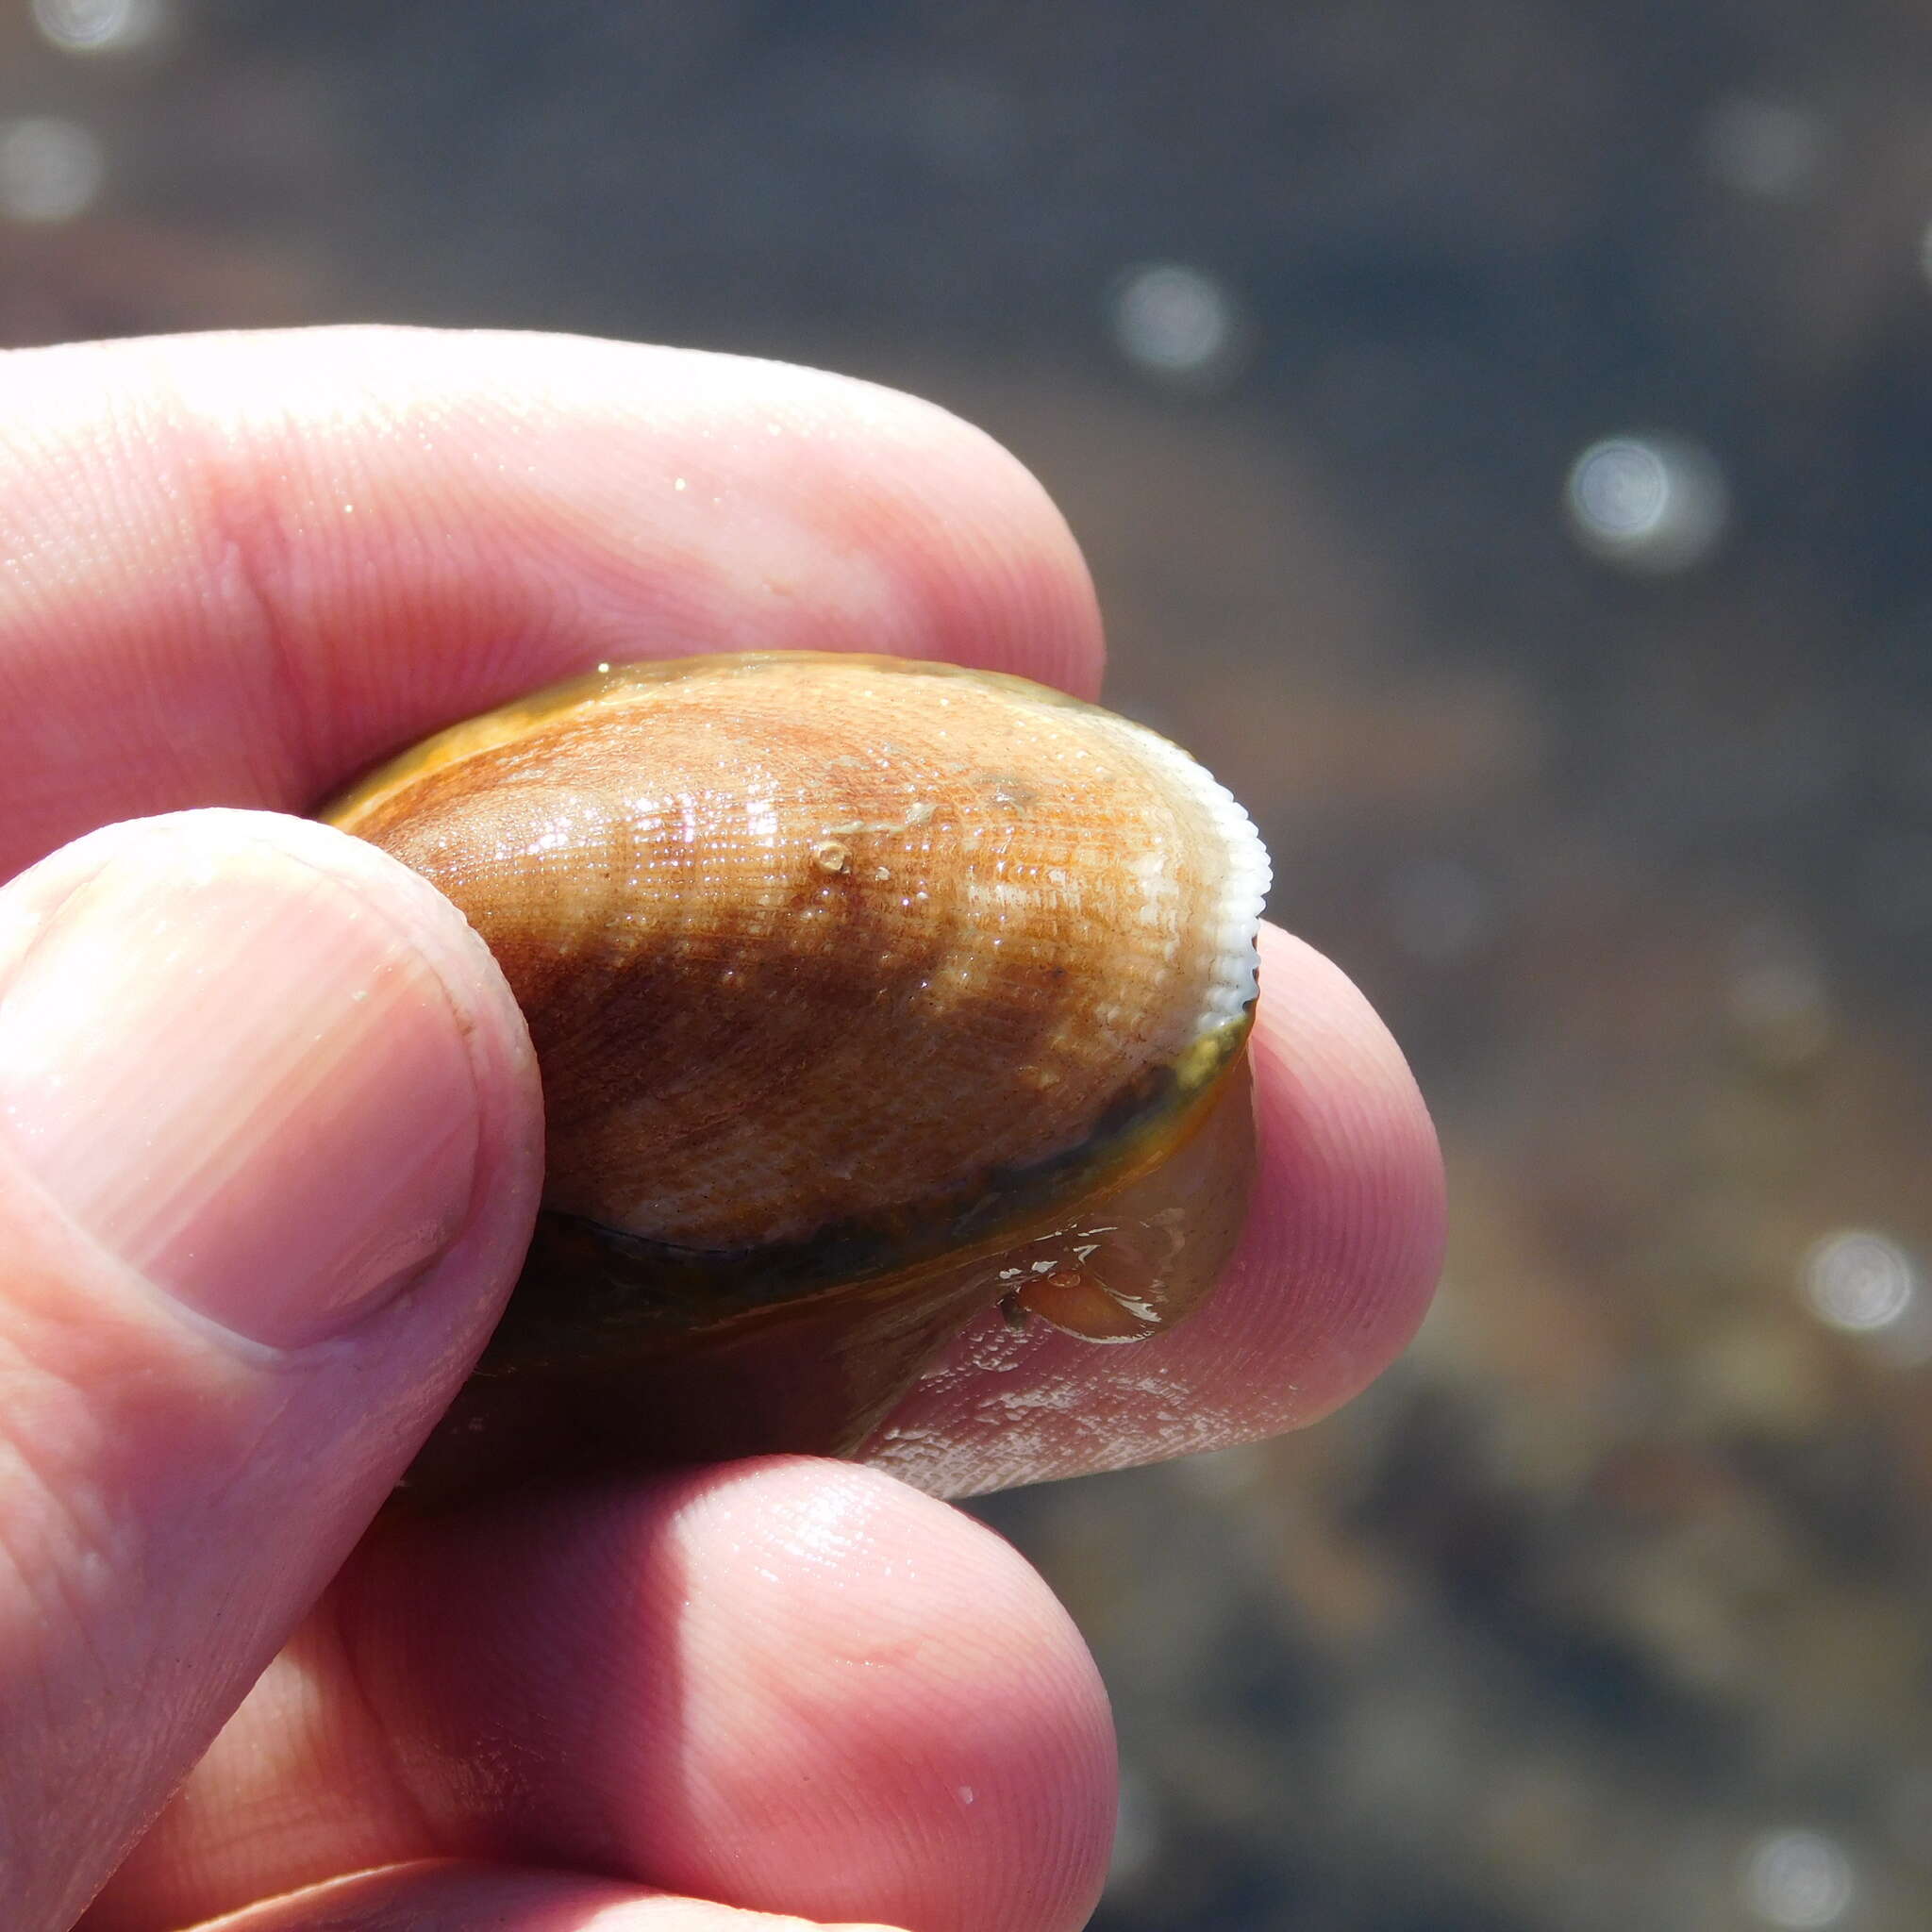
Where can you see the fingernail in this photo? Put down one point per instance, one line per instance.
(237, 1074)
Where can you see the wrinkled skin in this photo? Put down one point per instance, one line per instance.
(269, 1151)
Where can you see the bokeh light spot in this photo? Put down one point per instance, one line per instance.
(99, 27)
(1797, 1881)
(50, 169)
(1651, 503)
(1178, 324)
(1773, 150)
(1859, 1282)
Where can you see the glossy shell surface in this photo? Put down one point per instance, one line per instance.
(859, 986)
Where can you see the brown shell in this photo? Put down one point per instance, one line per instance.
(857, 985)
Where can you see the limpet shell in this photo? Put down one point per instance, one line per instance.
(868, 993)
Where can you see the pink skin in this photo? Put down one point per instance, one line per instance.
(237, 569)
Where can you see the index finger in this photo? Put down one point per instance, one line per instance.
(235, 570)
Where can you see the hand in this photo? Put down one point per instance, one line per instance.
(269, 1149)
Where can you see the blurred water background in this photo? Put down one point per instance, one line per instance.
(1502, 431)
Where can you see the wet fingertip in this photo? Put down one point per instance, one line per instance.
(1344, 1244)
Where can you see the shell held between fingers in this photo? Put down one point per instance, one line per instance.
(868, 993)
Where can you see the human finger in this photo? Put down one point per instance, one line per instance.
(269, 1153)
(239, 568)
(783, 1686)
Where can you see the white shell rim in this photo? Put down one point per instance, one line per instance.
(1230, 982)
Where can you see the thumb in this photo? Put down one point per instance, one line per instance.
(270, 1146)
